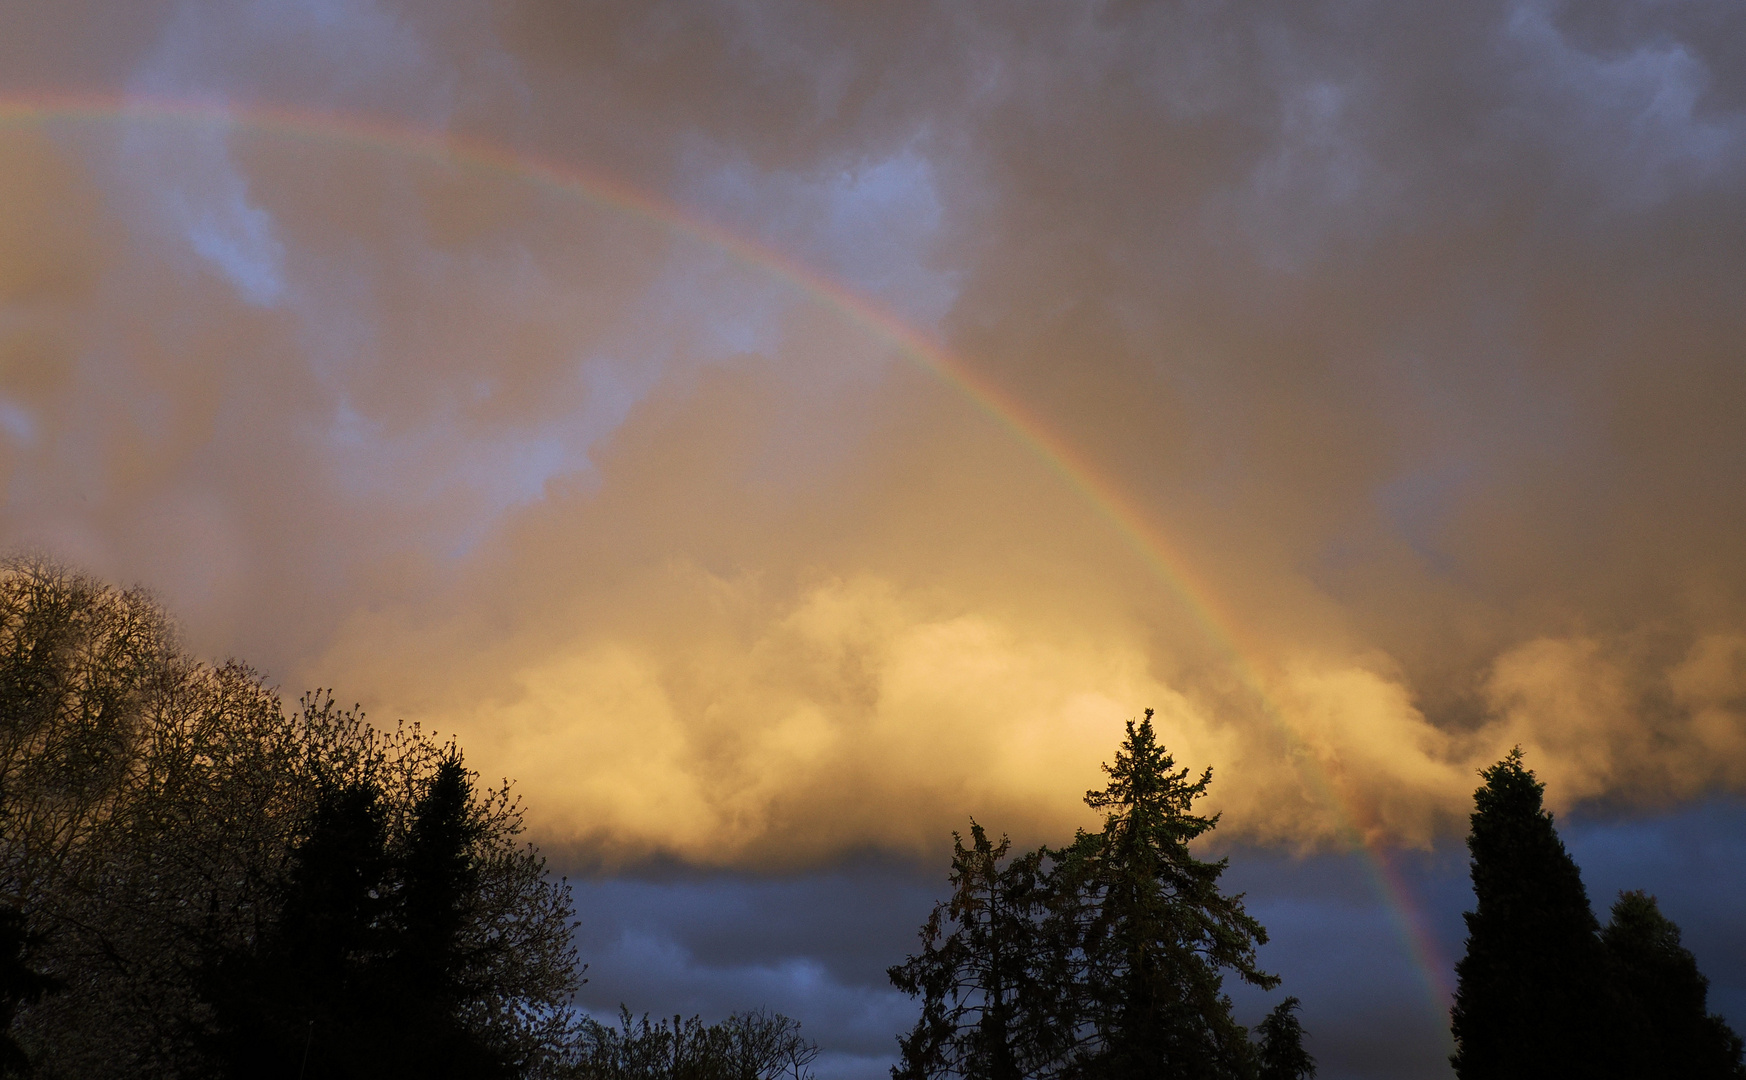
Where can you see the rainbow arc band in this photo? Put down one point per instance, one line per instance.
(1025, 425)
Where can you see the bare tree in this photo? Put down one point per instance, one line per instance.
(757, 1045)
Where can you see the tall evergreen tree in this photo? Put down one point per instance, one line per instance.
(1153, 929)
(430, 973)
(1532, 997)
(366, 972)
(302, 1002)
(1280, 1055)
(20, 984)
(1101, 961)
(1672, 1035)
(988, 975)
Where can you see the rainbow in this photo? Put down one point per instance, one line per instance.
(604, 191)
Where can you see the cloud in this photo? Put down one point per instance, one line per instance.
(1414, 333)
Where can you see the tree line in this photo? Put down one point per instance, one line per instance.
(1102, 959)
(196, 881)
(1544, 990)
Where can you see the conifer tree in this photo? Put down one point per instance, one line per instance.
(365, 973)
(430, 969)
(20, 984)
(1532, 998)
(1280, 1055)
(1153, 929)
(1101, 961)
(1672, 1034)
(988, 976)
(302, 1001)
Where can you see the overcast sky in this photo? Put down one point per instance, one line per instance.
(1359, 385)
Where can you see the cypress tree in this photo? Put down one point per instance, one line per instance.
(1673, 1034)
(1532, 998)
(1155, 932)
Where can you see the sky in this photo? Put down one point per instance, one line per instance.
(773, 433)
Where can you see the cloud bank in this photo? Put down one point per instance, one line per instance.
(1417, 334)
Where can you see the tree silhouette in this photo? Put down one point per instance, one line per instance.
(158, 818)
(304, 1001)
(1155, 932)
(1533, 998)
(1281, 1055)
(990, 978)
(432, 972)
(20, 984)
(1103, 960)
(365, 973)
(1672, 1034)
(756, 1045)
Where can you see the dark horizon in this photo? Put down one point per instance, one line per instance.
(815, 945)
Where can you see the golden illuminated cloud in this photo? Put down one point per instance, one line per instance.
(1411, 353)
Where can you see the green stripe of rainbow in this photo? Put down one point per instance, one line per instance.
(602, 190)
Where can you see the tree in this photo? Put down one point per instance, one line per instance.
(365, 972)
(79, 663)
(153, 808)
(1281, 1055)
(989, 977)
(434, 972)
(1155, 932)
(303, 995)
(1673, 1034)
(1104, 959)
(1532, 997)
(20, 984)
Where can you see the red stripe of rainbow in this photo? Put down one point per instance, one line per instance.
(1026, 426)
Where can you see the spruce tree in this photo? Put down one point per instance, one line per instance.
(1532, 998)
(1672, 1034)
(1153, 929)
(1103, 960)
